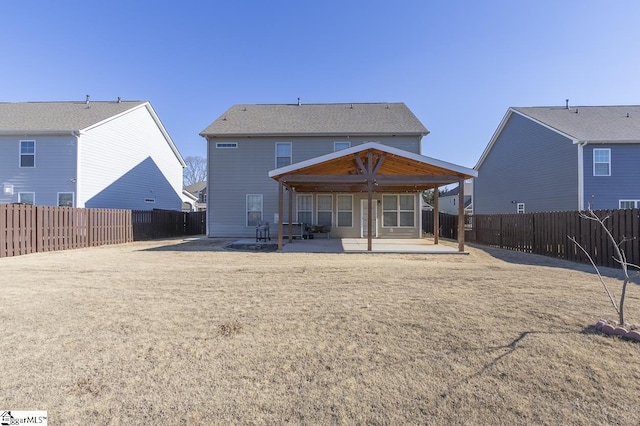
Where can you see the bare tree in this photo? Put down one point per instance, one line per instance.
(619, 256)
(196, 170)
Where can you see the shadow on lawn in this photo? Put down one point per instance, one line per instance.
(520, 258)
(510, 347)
(194, 244)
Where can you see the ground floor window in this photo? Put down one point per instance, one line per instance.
(27, 197)
(324, 206)
(629, 204)
(305, 208)
(398, 211)
(65, 199)
(344, 216)
(254, 209)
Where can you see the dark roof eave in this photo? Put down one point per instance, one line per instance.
(283, 134)
(27, 132)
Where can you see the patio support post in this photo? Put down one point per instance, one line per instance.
(280, 211)
(461, 215)
(369, 199)
(290, 219)
(436, 216)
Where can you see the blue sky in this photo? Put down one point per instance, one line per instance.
(457, 64)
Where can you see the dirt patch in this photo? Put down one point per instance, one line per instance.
(187, 332)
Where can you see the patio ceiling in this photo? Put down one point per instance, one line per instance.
(370, 166)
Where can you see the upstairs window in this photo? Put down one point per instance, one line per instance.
(629, 204)
(283, 154)
(339, 146)
(602, 162)
(27, 153)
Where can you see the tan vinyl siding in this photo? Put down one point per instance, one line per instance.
(234, 173)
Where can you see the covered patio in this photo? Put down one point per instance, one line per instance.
(370, 168)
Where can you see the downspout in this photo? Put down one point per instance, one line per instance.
(581, 175)
(77, 197)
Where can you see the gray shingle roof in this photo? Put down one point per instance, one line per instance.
(42, 117)
(316, 119)
(590, 123)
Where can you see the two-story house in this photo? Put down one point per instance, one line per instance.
(561, 158)
(88, 154)
(448, 202)
(340, 164)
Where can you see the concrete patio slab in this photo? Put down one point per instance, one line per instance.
(349, 245)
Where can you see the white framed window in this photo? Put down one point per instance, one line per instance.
(27, 197)
(398, 211)
(339, 146)
(344, 216)
(629, 204)
(519, 207)
(602, 162)
(65, 199)
(283, 154)
(27, 153)
(150, 200)
(305, 208)
(254, 209)
(226, 145)
(324, 209)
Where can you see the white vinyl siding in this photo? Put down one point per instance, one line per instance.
(344, 217)
(27, 197)
(305, 208)
(398, 211)
(324, 209)
(602, 162)
(283, 154)
(124, 161)
(27, 153)
(254, 209)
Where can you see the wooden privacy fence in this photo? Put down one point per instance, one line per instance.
(448, 224)
(151, 224)
(547, 234)
(26, 229)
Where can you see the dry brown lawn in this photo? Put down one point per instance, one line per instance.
(168, 332)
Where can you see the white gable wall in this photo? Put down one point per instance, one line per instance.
(127, 160)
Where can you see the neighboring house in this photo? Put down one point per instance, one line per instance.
(559, 159)
(448, 202)
(88, 154)
(199, 191)
(339, 164)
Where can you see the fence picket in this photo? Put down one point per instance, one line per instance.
(28, 229)
(547, 234)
